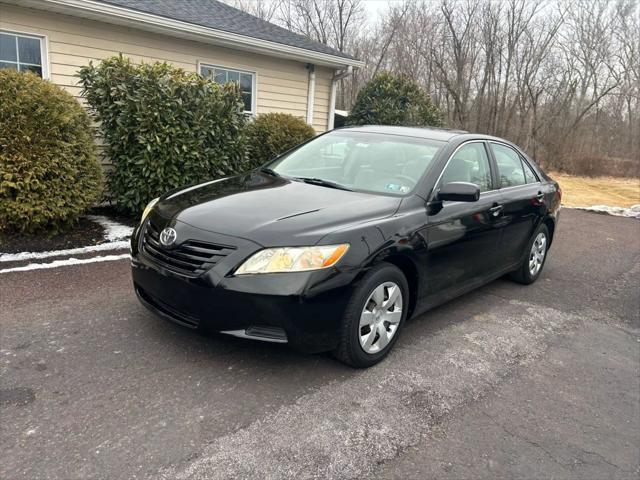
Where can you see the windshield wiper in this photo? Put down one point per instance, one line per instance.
(323, 183)
(269, 171)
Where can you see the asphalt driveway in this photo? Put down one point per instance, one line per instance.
(508, 381)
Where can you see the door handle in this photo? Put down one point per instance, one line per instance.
(540, 196)
(496, 211)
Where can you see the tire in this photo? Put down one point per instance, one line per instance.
(525, 274)
(366, 302)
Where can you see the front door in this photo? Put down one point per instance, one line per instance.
(463, 238)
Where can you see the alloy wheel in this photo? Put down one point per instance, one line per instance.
(380, 317)
(538, 251)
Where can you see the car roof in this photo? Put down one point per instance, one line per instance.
(431, 133)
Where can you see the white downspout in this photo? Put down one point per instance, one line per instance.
(339, 75)
(311, 93)
(332, 103)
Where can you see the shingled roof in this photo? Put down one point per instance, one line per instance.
(220, 16)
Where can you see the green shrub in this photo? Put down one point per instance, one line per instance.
(163, 128)
(394, 100)
(49, 173)
(274, 133)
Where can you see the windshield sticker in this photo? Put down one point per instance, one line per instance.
(397, 188)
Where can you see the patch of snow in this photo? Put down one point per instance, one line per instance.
(631, 212)
(63, 263)
(116, 234)
(113, 231)
(14, 257)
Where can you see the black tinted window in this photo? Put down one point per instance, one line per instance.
(469, 164)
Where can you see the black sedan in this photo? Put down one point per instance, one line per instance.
(333, 245)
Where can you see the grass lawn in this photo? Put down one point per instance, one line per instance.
(589, 191)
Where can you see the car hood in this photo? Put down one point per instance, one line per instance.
(272, 210)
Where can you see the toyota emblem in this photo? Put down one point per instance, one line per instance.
(168, 237)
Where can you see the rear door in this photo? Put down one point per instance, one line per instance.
(463, 237)
(522, 199)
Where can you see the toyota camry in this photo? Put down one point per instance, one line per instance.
(334, 244)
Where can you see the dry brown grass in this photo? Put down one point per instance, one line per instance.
(588, 191)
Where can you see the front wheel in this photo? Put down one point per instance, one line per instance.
(374, 316)
(531, 266)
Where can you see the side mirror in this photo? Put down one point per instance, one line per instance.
(459, 192)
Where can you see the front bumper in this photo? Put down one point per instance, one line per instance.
(307, 306)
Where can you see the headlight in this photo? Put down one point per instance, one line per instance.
(148, 208)
(293, 259)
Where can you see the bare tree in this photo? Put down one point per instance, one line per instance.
(332, 22)
(628, 54)
(560, 77)
(263, 9)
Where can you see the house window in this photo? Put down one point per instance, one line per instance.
(246, 80)
(22, 52)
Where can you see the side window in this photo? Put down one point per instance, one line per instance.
(529, 175)
(510, 169)
(22, 52)
(246, 81)
(469, 164)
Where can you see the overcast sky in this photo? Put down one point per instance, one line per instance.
(375, 7)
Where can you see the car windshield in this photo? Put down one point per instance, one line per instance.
(369, 162)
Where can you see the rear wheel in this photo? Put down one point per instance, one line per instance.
(374, 316)
(532, 265)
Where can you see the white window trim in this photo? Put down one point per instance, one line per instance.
(44, 48)
(254, 82)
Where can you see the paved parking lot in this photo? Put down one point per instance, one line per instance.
(508, 381)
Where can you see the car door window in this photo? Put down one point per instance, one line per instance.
(469, 164)
(510, 168)
(529, 174)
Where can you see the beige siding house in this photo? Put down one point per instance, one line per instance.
(278, 70)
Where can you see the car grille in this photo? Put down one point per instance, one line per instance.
(191, 258)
